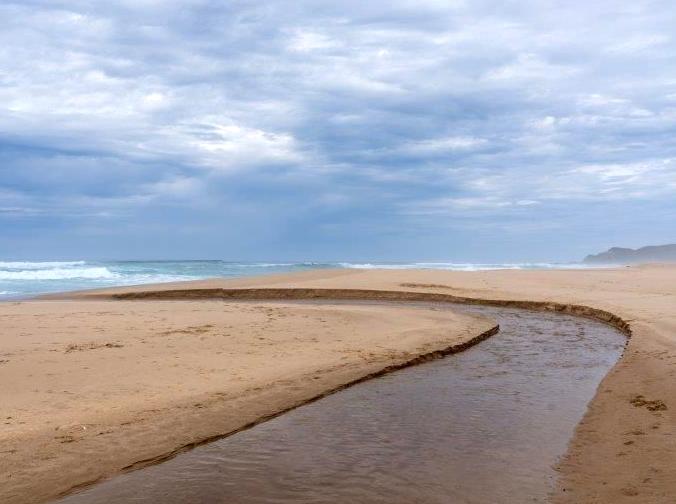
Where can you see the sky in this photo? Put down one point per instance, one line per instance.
(466, 131)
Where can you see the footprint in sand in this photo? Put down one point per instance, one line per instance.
(651, 405)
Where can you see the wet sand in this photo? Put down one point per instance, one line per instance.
(624, 450)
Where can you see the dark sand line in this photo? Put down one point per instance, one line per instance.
(375, 295)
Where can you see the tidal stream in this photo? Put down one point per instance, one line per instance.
(484, 426)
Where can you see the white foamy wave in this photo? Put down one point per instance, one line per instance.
(37, 265)
(306, 264)
(438, 266)
(59, 274)
(376, 266)
(262, 265)
(462, 266)
(153, 278)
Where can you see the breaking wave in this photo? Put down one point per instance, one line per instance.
(98, 272)
(460, 266)
(30, 265)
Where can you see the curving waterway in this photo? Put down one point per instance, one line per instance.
(483, 426)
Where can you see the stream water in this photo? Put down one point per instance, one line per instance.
(483, 426)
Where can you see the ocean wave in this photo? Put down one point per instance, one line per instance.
(90, 273)
(132, 279)
(38, 265)
(21, 278)
(461, 266)
(307, 264)
(261, 265)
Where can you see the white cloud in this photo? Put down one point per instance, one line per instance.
(441, 145)
(231, 146)
(638, 43)
(530, 67)
(308, 41)
(468, 205)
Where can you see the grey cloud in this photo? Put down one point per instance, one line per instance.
(402, 109)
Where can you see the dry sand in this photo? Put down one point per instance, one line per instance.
(623, 451)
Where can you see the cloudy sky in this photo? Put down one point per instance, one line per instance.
(400, 130)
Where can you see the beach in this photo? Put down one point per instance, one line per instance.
(108, 380)
(93, 387)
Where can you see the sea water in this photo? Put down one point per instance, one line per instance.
(25, 278)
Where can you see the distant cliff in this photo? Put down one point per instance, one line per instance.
(619, 255)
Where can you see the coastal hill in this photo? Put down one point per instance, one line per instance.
(619, 255)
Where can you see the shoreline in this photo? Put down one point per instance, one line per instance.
(592, 469)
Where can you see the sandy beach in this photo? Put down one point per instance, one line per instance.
(93, 387)
(114, 379)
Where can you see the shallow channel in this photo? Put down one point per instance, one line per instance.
(487, 425)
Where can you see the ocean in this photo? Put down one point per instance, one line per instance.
(19, 279)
